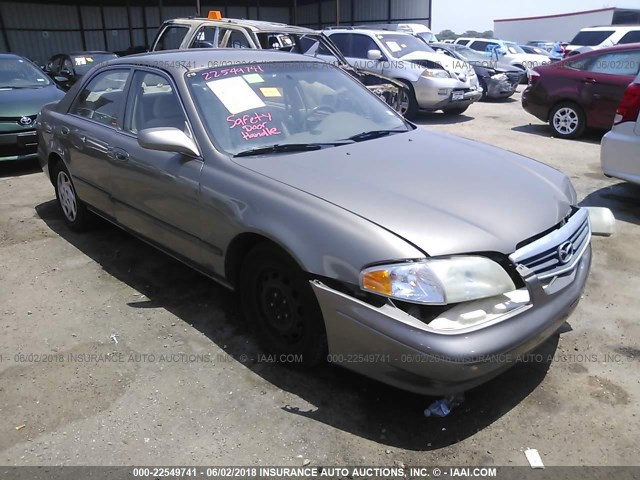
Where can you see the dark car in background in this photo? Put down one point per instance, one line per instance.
(24, 90)
(498, 79)
(582, 91)
(67, 68)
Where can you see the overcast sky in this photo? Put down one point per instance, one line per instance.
(461, 15)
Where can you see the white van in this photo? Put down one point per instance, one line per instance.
(593, 38)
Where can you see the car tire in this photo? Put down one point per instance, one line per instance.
(408, 102)
(485, 95)
(567, 120)
(280, 307)
(74, 211)
(455, 111)
(525, 78)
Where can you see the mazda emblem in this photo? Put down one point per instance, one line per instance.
(26, 121)
(565, 252)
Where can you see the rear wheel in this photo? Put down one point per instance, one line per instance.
(567, 120)
(408, 103)
(74, 211)
(281, 308)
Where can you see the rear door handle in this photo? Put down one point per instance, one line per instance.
(590, 80)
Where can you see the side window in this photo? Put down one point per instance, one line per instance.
(205, 38)
(101, 100)
(479, 45)
(631, 37)
(54, 65)
(153, 103)
(171, 37)
(617, 63)
(342, 42)
(67, 66)
(232, 38)
(361, 44)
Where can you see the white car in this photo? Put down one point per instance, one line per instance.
(434, 81)
(509, 52)
(620, 151)
(593, 38)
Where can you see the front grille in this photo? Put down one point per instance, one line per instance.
(543, 256)
(16, 122)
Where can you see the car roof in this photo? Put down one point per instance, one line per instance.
(203, 58)
(88, 52)
(615, 48)
(373, 31)
(611, 27)
(10, 55)
(255, 25)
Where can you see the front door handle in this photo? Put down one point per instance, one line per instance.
(590, 80)
(118, 154)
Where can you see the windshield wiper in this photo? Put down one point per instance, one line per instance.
(360, 137)
(288, 147)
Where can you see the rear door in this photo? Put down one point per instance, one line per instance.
(606, 78)
(88, 132)
(156, 194)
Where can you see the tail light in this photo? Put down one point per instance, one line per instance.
(533, 77)
(629, 107)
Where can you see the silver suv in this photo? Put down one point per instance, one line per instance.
(434, 81)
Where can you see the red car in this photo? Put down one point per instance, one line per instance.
(583, 90)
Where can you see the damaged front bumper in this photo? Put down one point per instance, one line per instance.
(470, 343)
(501, 86)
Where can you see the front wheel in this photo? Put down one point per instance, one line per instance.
(408, 102)
(281, 308)
(567, 120)
(74, 211)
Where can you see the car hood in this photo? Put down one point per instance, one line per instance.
(443, 194)
(21, 102)
(450, 64)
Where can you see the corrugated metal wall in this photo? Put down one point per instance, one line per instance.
(356, 12)
(39, 31)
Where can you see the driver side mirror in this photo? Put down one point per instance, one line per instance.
(167, 139)
(374, 55)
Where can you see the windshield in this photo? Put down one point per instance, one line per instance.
(471, 55)
(427, 37)
(20, 73)
(591, 38)
(400, 45)
(250, 107)
(83, 63)
(513, 48)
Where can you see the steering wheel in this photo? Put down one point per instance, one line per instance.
(317, 114)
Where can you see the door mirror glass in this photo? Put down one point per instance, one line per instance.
(374, 55)
(167, 139)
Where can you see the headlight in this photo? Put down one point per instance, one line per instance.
(435, 73)
(438, 281)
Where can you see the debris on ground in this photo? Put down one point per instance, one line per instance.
(443, 407)
(20, 427)
(534, 458)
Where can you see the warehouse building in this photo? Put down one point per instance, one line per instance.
(41, 29)
(563, 27)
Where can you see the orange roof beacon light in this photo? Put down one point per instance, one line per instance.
(214, 15)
